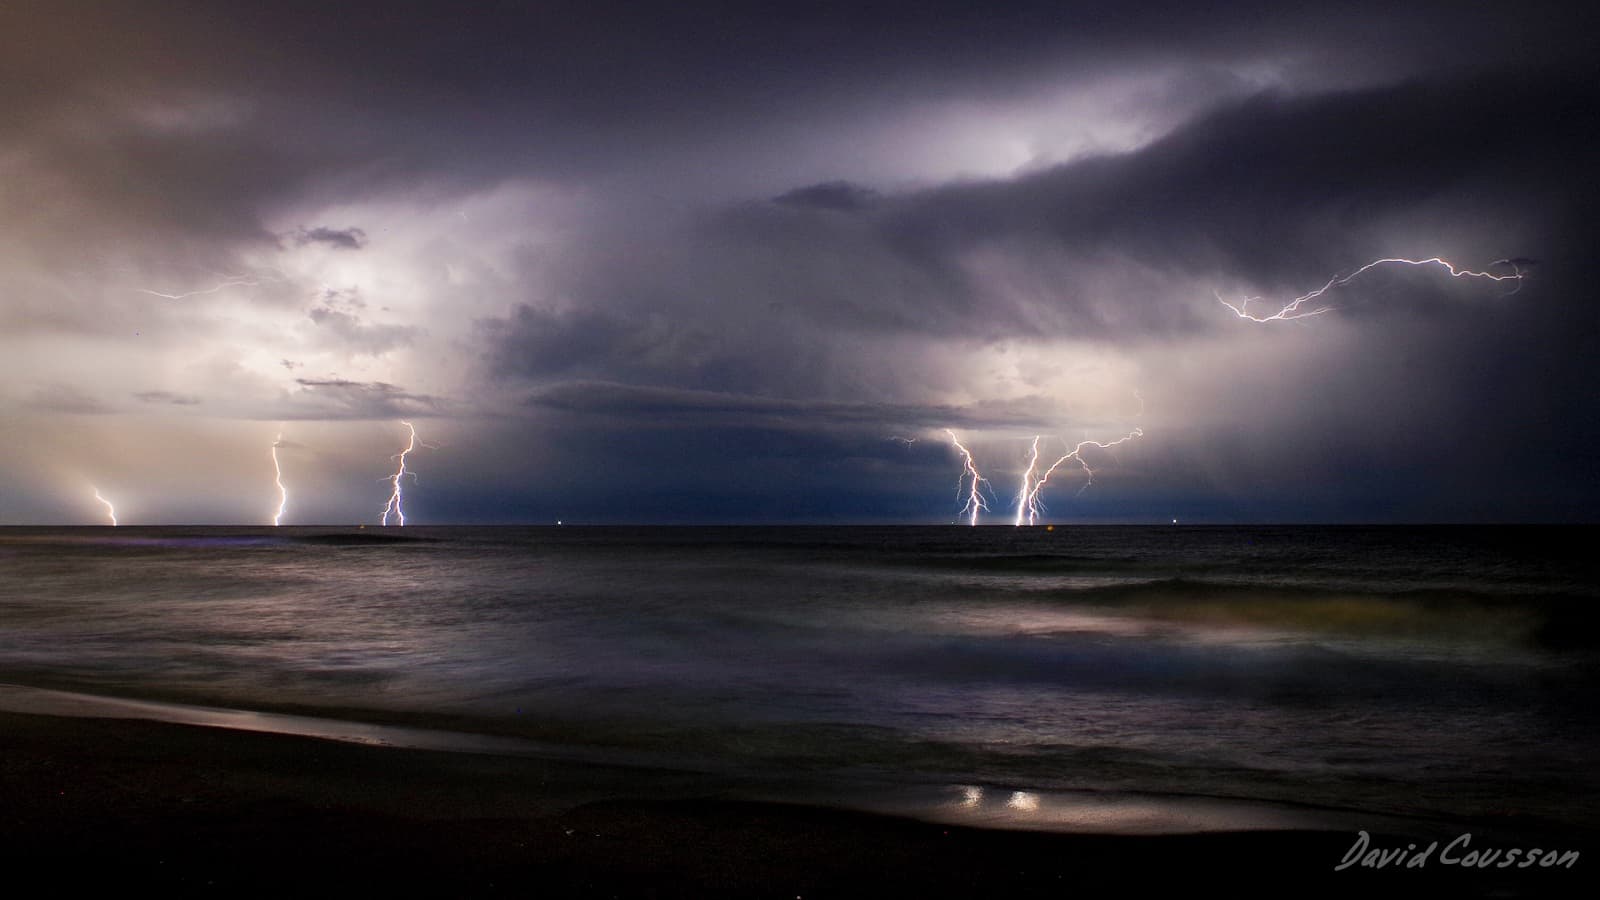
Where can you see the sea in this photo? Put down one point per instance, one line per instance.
(1119, 678)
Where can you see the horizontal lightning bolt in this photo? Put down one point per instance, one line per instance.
(228, 282)
(1297, 309)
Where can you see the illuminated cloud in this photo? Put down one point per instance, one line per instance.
(359, 336)
(760, 242)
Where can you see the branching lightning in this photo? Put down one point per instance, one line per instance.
(1025, 495)
(969, 488)
(1298, 309)
(1029, 505)
(111, 512)
(224, 284)
(394, 505)
(277, 477)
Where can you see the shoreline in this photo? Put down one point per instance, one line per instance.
(1015, 808)
(110, 802)
(985, 806)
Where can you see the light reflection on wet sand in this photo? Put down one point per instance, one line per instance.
(968, 805)
(1094, 812)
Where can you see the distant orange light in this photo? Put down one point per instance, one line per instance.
(1049, 528)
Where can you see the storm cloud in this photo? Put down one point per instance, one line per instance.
(700, 262)
(343, 399)
(338, 238)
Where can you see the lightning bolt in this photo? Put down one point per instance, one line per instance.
(111, 512)
(227, 282)
(1026, 494)
(277, 478)
(394, 504)
(970, 484)
(1297, 309)
(1029, 506)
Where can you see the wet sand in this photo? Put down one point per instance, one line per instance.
(118, 804)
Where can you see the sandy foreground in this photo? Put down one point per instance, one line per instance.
(118, 804)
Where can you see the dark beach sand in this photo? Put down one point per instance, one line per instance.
(112, 804)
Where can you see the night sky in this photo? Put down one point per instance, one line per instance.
(705, 263)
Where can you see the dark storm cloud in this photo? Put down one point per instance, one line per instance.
(338, 238)
(700, 408)
(64, 398)
(624, 344)
(208, 184)
(837, 195)
(1285, 188)
(338, 398)
(1281, 192)
(691, 62)
(195, 120)
(1276, 193)
(1272, 145)
(565, 87)
(536, 342)
(662, 469)
(167, 397)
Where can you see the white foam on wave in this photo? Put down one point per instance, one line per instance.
(43, 701)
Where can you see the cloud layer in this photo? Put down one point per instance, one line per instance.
(721, 263)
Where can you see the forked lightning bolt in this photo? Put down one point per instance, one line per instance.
(277, 477)
(1026, 493)
(111, 512)
(394, 505)
(1029, 506)
(224, 284)
(970, 486)
(1298, 308)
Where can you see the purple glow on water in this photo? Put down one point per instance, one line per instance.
(1231, 662)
